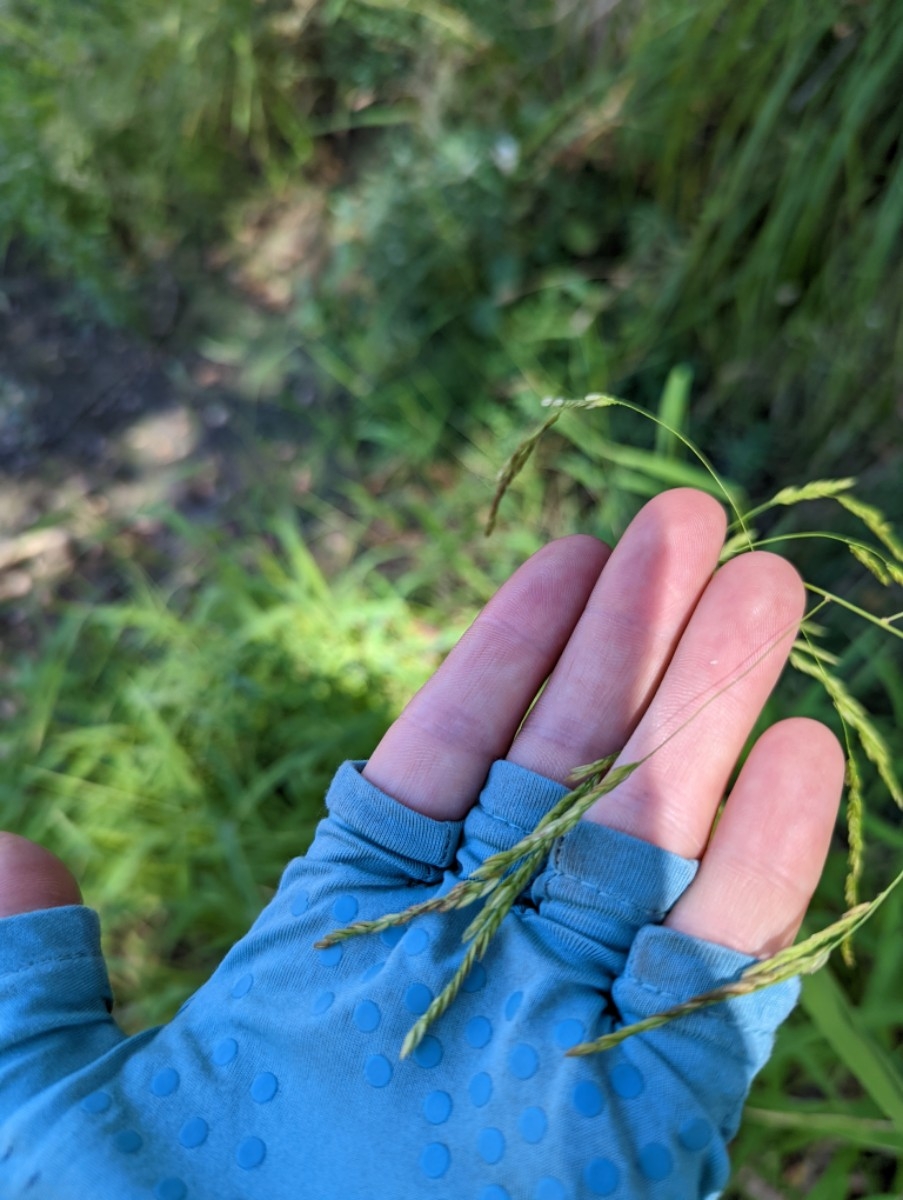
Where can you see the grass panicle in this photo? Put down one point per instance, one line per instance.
(513, 468)
(854, 714)
(499, 880)
(875, 522)
(885, 562)
(802, 958)
(442, 1002)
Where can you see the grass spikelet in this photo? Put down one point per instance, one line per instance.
(856, 842)
(853, 714)
(803, 958)
(416, 1033)
(817, 489)
(875, 522)
(468, 891)
(874, 563)
(886, 570)
(805, 659)
(506, 893)
(737, 543)
(513, 468)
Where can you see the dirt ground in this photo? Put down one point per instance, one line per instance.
(101, 433)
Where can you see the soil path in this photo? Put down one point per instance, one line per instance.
(99, 432)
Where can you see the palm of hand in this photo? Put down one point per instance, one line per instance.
(281, 1077)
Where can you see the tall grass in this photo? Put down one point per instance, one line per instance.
(770, 134)
(516, 200)
(175, 749)
(127, 131)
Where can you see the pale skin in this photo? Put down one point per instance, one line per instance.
(647, 650)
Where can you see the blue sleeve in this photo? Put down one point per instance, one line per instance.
(281, 1078)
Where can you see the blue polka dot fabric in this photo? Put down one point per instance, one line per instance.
(281, 1078)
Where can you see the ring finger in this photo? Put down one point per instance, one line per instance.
(622, 644)
(689, 739)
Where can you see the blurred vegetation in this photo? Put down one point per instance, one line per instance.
(510, 199)
(212, 720)
(435, 214)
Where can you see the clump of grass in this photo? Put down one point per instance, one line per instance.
(500, 879)
(174, 749)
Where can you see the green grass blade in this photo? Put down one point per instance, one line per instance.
(836, 1019)
(868, 1133)
(672, 410)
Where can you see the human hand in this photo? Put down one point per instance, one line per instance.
(280, 1078)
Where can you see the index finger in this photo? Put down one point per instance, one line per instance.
(436, 756)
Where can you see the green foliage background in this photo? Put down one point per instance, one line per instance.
(697, 206)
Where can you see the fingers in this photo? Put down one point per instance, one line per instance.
(623, 641)
(768, 850)
(437, 754)
(694, 730)
(612, 656)
(32, 878)
(657, 653)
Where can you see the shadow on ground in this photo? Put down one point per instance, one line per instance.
(101, 432)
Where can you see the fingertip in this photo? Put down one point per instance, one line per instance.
(765, 591)
(691, 507)
(818, 752)
(32, 878)
(778, 578)
(586, 543)
(574, 550)
(798, 767)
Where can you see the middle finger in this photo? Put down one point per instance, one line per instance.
(615, 658)
(690, 737)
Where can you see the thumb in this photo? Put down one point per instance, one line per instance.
(55, 996)
(31, 878)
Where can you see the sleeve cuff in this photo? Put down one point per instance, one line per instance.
(388, 824)
(666, 968)
(54, 936)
